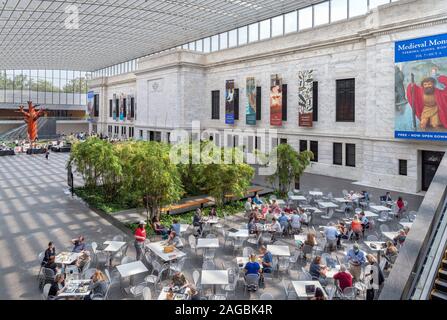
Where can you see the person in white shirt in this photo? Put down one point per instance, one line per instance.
(275, 228)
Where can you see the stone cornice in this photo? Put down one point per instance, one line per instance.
(174, 65)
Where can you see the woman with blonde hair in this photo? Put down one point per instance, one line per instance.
(311, 239)
(98, 285)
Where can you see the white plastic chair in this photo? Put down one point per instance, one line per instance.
(266, 296)
(46, 290)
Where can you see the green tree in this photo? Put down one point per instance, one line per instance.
(76, 85)
(153, 178)
(290, 166)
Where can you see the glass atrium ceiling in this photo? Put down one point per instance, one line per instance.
(92, 34)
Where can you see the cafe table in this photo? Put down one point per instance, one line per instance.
(406, 224)
(158, 249)
(76, 288)
(282, 251)
(207, 243)
(316, 193)
(370, 214)
(66, 257)
(177, 296)
(112, 247)
(328, 206)
(215, 277)
(376, 246)
(390, 234)
(131, 269)
(298, 198)
(241, 233)
(184, 228)
(300, 288)
(380, 208)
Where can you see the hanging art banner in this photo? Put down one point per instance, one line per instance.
(421, 88)
(229, 102)
(305, 98)
(251, 101)
(90, 105)
(128, 101)
(121, 107)
(114, 106)
(275, 100)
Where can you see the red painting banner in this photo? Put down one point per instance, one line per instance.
(275, 100)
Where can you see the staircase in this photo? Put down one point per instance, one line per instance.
(439, 291)
(21, 132)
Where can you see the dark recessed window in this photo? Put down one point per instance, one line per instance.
(96, 105)
(258, 143)
(132, 108)
(283, 141)
(345, 100)
(125, 108)
(314, 149)
(284, 102)
(338, 154)
(403, 167)
(215, 105)
(303, 145)
(236, 104)
(258, 104)
(350, 155)
(110, 108)
(315, 101)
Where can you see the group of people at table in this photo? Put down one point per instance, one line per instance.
(98, 281)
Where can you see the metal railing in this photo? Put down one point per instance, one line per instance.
(18, 118)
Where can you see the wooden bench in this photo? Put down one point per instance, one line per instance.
(189, 204)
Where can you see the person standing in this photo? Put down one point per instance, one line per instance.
(140, 237)
(356, 258)
(47, 154)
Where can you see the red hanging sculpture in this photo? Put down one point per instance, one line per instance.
(31, 118)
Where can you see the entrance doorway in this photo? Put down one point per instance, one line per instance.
(430, 164)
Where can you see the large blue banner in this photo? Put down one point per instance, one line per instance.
(421, 88)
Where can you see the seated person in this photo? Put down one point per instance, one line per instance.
(304, 217)
(390, 254)
(274, 206)
(343, 232)
(264, 210)
(267, 260)
(98, 285)
(318, 270)
(400, 238)
(275, 228)
(213, 212)
(193, 293)
(400, 206)
(364, 221)
(288, 210)
(344, 278)
(319, 295)
(251, 226)
(257, 200)
(295, 221)
(252, 266)
(51, 264)
(283, 220)
(356, 227)
(82, 260)
(248, 206)
(58, 286)
(174, 240)
(50, 251)
(197, 220)
(179, 280)
(175, 226)
(311, 240)
(332, 234)
(158, 227)
(79, 244)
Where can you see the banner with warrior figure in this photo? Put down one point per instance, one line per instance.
(229, 102)
(421, 88)
(251, 101)
(305, 98)
(275, 100)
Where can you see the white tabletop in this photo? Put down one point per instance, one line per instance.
(242, 233)
(380, 208)
(370, 214)
(316, 193)
(315, 210)
(391, 235)
(300, 288)
(279, 250)
(378, 245)
(158, 247)
(177, 296)
(298, 198)
(280, 202)
(210, 220)
(72, 286)
(184, 227)
(113, 246)
(131, 269)
(214, 277)
(66, 257)
(300, 237)
(342, 200)
(406, 224)
(327, 205)
(207, 243)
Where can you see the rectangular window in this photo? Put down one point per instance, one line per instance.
(284, 102)
(151, 135)
(314, 149)
(215, 105)
(141, 134)
(283, 141)
(157, 136)
(315, 102)
(345, 100)
(168, 137)
(403, 167)
(258, 103)
(236, 104)
(350, 155)
(132, 107)
(291, 22)
(117, 108)
(110, 108)
(110, 129)
(258, 143)
(303, 145)
(96, 105)
(125, 108)
(338, 154)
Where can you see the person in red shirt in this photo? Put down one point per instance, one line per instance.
(344, 278)
(401, 206)
(140, 237)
